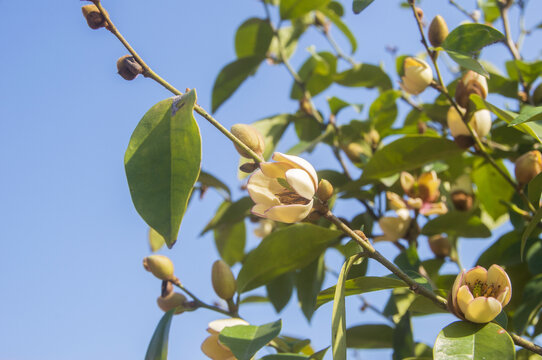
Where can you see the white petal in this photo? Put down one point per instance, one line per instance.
(299, 163)
(215, 327)
(289, 213)
(301, 182)
(262, 189)
(260, 209)
(483, 310)
(394, 228)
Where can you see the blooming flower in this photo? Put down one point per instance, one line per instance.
(417, 75)
(423, 193)
(479, 295)
(212, 347)
(283, 190)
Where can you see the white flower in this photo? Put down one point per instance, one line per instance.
(480, 122)
(212, 347)
(283, 190)
(417, 75)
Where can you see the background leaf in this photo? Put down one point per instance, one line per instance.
(290, 9)
(531, 304)
(370, 336)
(457, 223)
(230, 241)
(309, 282)
(360, 5)
(158, 346)
(279, 291)
(491, 188)
(364, 75)
(253, 38)
(245, 340)
(470, 38)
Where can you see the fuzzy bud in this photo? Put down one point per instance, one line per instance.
(438, 31)
(537, 95)
(128, 67)
(440, 246)
(160, 266)
(171, 301)
(250, 137)
(470, 83)
(528, 166)
(95, 19)
(223, 280)
(461, 200)
(325, 190)
(480, 122)
(305, 106)
(416, 75)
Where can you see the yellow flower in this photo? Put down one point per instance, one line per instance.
(283, 190)
(417, 75)
(424, 187)
(479, 295)
(212, 347)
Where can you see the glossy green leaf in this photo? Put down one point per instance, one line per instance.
(229, 213)
(534, 190)
(336, 20)
(253, 37)
(465, 340)
(208, 180)
(383, 111)
(317, 73)
(338, 314)
(158, 346)
(231, 77)
(535, 221)
(360, 5)
(457, 223)
(491, 188)
(279, 291)
(470, 38)
(531, 304)
(364, 75)
(162, 163)
(467, 62)
(290, 9)
(245, 340)
(308, 284)
(407, 153)
(403, 341)
(528, 113)
(156, 241)
(230, 241)
(370, 336)
(277, 254)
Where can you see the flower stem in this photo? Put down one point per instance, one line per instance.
(205, 305)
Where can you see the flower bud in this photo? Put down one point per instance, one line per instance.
(440, 246)
(174, 300)
(528, 166)
(461, 200)
(480, 122)
(438, 31)
(325, 190)
(470, 83)
(95, 19)
(537, 95)
(305, 106)
(160, 266)
(476, 15)
(354, 151)
(250, 137)
(416, 75)
(128, 67)
(373, 138)
(223, 280)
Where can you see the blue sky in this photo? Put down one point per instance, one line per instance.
(72, 284)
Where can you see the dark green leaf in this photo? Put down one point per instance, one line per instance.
(245, 340)
(360, 5)
(279, 291)
(468, 62)
(369, 336)
(277, 254)
(230, 241)
(162, 163)
(253, 37)
(309, 282)
(317, 73)
(531, 304)
(229, 213)
(364, 75)
(231, 77)
(534, 189)
(383, 111)
(336, 105)
(319, 355)
(492, 188)
(157, 349)
(534, 254)
(403, 341)
(336, 7)
(336, 20)
(530, 228)
(470, 38)
(457, 223)
(528, 113)
(290, 9)
(503, 86)
(504, 251)
(208, 180)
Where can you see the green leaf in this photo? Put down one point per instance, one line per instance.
(490, 9)
(492, 188)
(336, 105)
(470, 38)
(530, 305)
(277, 254)
(290, 9)
(245, 340)
(503, 86)
(253, 37)
(457, 223)
(317, 73)
(208, 180)
(284, 357)
(230, 241)
(229, 213)
(289, 36)
(407, 153)
(468, 62)
(534, 190)
(465, 340)
(361, 285)
(529, 71)
(383, 111)
(360, 5)
(504, 251)
(399, 303)
(364, 75)
(528, 113)
(369, 336)
(157, 349)
(156, 241)
(279, 291)
(303, 146)
(403, 341)
(319, 355)
(530, 228)
(162, 163)
(336, 20)
(308, 284)
(338, 315)
(231, 77)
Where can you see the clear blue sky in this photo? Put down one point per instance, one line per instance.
(71, 281)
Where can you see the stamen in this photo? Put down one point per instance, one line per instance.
(288, 197)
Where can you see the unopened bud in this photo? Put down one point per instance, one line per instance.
(250, 137)
(223, 280)
(440, 246)
(422, 127)
(537, 95)
(160, 266)
(248, 167)
(354, 151)
(172, 301)
(416, 75)
(438, 31)
(476, 15)
(528, 166)
(313, 216)
(373, 138)
(480, 122)
(470, 83)
(461, 200)
(128, 67)
(94, 17)
(325, 190)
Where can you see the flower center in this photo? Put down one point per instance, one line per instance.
(289, 197)
(483, 289)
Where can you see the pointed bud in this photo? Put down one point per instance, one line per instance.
(160, 266)
(528, 166)
(173, 300)
(537, 95)
(223, 280)
(417, 75)
(470, 83)
(325, 190)
(128, 67)
(461, 200)
(250, 137)
(438, 31)
(440, 246)
(95, 19)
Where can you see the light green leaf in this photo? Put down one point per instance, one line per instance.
(317, 73)
(403, 341)
(279, 291)
(229, 213)
(383, 111)
(465, 340)
(369, 336)
(289, 36)
(490, 9)
(253, 37)
(231, 77)
(534, 189)
(277, 254)
(336, 105)
(528, 113)
(529, 71)
(364, 75)
(290, 9)
(162, 163)
(156, 241)
(245, 340)
(530, 305)
(360, 5)
(230, 241)
(336, 20)
(457, 223)
(157, 349)
(308, 284)
(470, 38)
(530, 228)
(303, 146)
(468, 62)
(492, 188)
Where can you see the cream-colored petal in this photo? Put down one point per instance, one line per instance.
(407, 181)
(476, 274)
(481, 122)
(214, 350)
(434, 209)
(393, 228)
(395, 201)
(415, 203)
(299, 163)
(497, 277)
(217, 326)
(459, 281)
(455, 122)
(289, 213)
(262, 189)
(464, 298)
(301, 182)
(260, 209)
(275, 169)
(403, 214)
(483, 310)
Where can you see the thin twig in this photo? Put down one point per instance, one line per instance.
(463, 10)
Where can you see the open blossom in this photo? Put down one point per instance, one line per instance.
(283, 190)
(417, 75)
(479, 295)
(423, 193)
(212, 347)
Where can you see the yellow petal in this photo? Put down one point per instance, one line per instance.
(395, 201)
(260, 209)
(289, 213)
(483, 310)
(497, 277)
(214, 350)
(476, 274)
(434, 209)
(428, 184)
(407, 181)
(459, 281)
(301, 182)
(464, 298)
(275, 169)
(393, 228)
(262, 189)
(298, 163)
